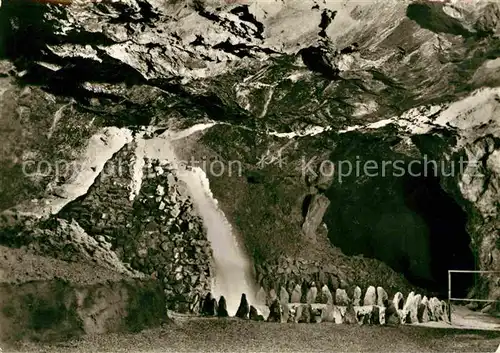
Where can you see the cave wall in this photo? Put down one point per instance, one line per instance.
(476, 190)
(409, 222)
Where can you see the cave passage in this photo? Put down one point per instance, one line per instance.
(410, 223)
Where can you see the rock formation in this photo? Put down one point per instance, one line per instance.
(284, 296)
(341, 297)
(326, 295)
(275, 313)
(208, 305)
(356, 300)
(222, 308)
(398, 301)
(382, 297)
(392, 317)
(254, 315)
(423, 310)
(317, 208)
(243, 309)
(370, 296)
(90, 84)
(296, 294)
(261, 296)
(311, 294)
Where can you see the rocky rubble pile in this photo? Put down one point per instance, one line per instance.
(156, 233)
(289, 272)
(164, 239)
(374, 308)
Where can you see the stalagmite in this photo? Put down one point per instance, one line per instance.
(311, 294)
(370, 296)
(296, 294)
(284, 296)
(261, 297)
(382, 297)
(326, 295)
(357, 296)
(222, 309)
(398, 301)
(243, 309)
(341, 297)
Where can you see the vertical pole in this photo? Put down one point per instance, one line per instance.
(449, 295)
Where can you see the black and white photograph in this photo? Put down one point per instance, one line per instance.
(249, 176)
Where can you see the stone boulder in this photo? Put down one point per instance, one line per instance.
(382, 297)
(370, 296)
(350, 316)
(364, 314)
(284, 296)
(356, 298)
(222, 309)
(327, 315)
(435, 310)
(274, 312)
(410, 309)
(341, 297)
(311, 294)
(326, 295)
(317, 208)
(254, 315)
(208, 308)
(316, 315)
(291, 313)
(215, 306)
(285, 314)
(305, 314)
(391, 315)
(423, 310)
(271, 297)
(377, 315)
(296, 294)
(445, 309)
(398, 301)
(243, 309)
(261, 296)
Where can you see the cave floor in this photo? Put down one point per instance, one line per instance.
(216, 335)
(463, 318)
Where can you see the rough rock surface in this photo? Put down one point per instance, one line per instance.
(222, 308)
(243, 309)
(386, 77)
(284, 296)
(382, 297)
(275, 314)
(312, 294)
(356, 300)
(398, 301)
(254, 315)
(326, 295)
(370, 296)
(296, 294)
(317, 208)
(341, 297)
(423, 310)
(392, 316)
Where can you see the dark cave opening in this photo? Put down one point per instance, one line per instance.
(448, 240)
(408, 222)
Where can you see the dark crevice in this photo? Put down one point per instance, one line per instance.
(306, 204)
(327, 16)
(408, 222)
(244, 14)
(432, 17)
(449, 242)
(315, 59)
